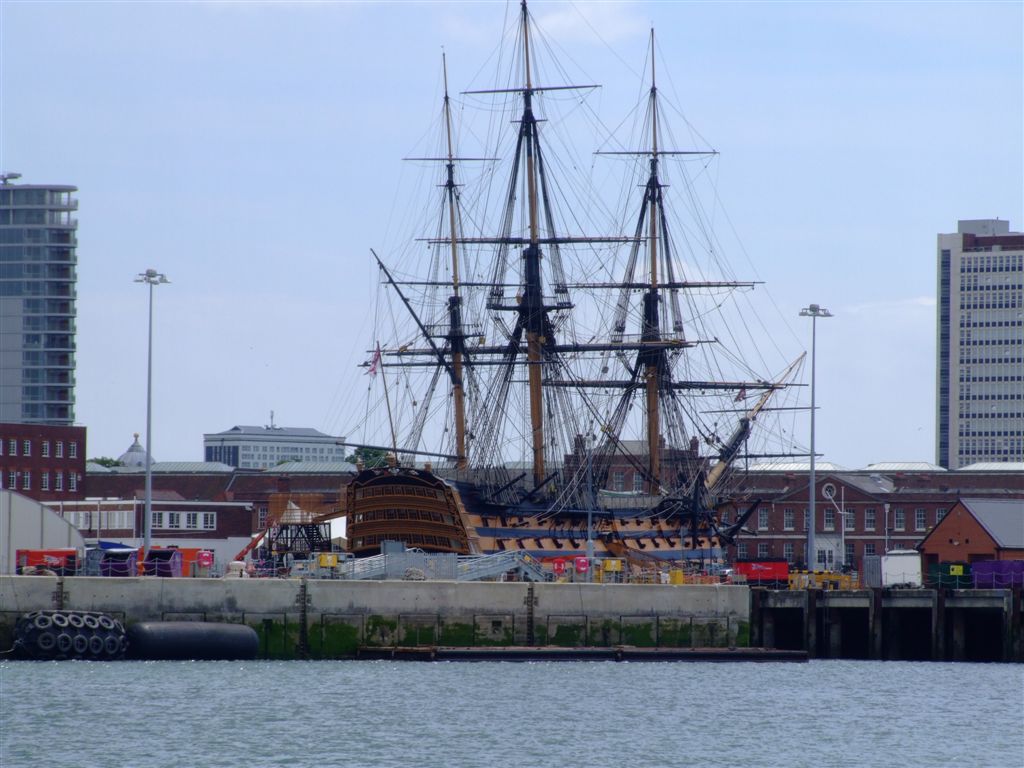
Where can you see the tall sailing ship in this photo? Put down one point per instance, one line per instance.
(557, 392)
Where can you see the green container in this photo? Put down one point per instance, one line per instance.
(950, 576)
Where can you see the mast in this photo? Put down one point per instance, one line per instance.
(456, 337)
(532, 305)
(651, 330)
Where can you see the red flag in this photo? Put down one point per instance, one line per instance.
(374, 362)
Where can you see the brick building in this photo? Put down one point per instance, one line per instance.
(858, 513)
(43, 462)
(977, 529)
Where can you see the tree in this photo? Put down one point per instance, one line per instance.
(106, 461)
(371, 457)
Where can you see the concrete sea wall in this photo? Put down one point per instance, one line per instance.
(332, 619)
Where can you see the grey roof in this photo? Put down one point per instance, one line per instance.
(92, 466)
(312, 467)
(994, 466)
(870, 484)
(797, 466)
(178, 467)
(1003, 519)
(268, 431)
(905, 466)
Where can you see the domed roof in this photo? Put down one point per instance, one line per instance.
(135, 456)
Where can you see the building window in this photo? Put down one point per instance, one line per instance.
(741, 551)
(12, 447)
(60, 449)
(26, 447)
(174, 519)
(45, 481)
(899, 519)
(638, 481)
(830, 519)
(46, 449)
(209, 521)
(869, 548)
(59, 481)
(73, 450)
(920, 519)
(618, 481)
(807, 516)
(787, 551)
(26, 481)
(939, 514)
(192, 520)
(848, 553)
(788, 519)
(72, 481)
(261, 518)
(12, 479)
(869, 519)
(762, 519)
(158, 520)
(762, 549)
(850, 519)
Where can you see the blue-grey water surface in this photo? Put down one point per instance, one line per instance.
(257, 714)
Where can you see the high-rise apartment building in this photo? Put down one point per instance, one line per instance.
(37, 303)
(980, 371)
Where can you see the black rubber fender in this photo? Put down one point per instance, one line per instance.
(195, 640)
(80, 644)
(46, 641)
(106, 622)
(96, 646)
(65, 642)
(42, 621)
(91, 621)
(59, 619)
(112, 646)
(76, 620)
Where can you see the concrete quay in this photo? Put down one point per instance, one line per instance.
(299, 618)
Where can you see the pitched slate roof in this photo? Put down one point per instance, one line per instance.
(1002, 519)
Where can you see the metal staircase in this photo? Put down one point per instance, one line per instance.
(478, 568)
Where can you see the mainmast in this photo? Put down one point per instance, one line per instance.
(456, 337)
(532, 302)
(651, 329)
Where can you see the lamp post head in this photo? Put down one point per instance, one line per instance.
(814, 310)
(152, 277)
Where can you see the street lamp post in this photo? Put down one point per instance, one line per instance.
(814, 312)
(591, 501)
(151, 277)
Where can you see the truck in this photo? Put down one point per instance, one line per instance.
(897, 568)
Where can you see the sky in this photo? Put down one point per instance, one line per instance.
(251, 152)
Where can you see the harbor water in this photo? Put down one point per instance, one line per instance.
(262, 714)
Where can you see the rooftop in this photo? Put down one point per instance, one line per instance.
(246, 430)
